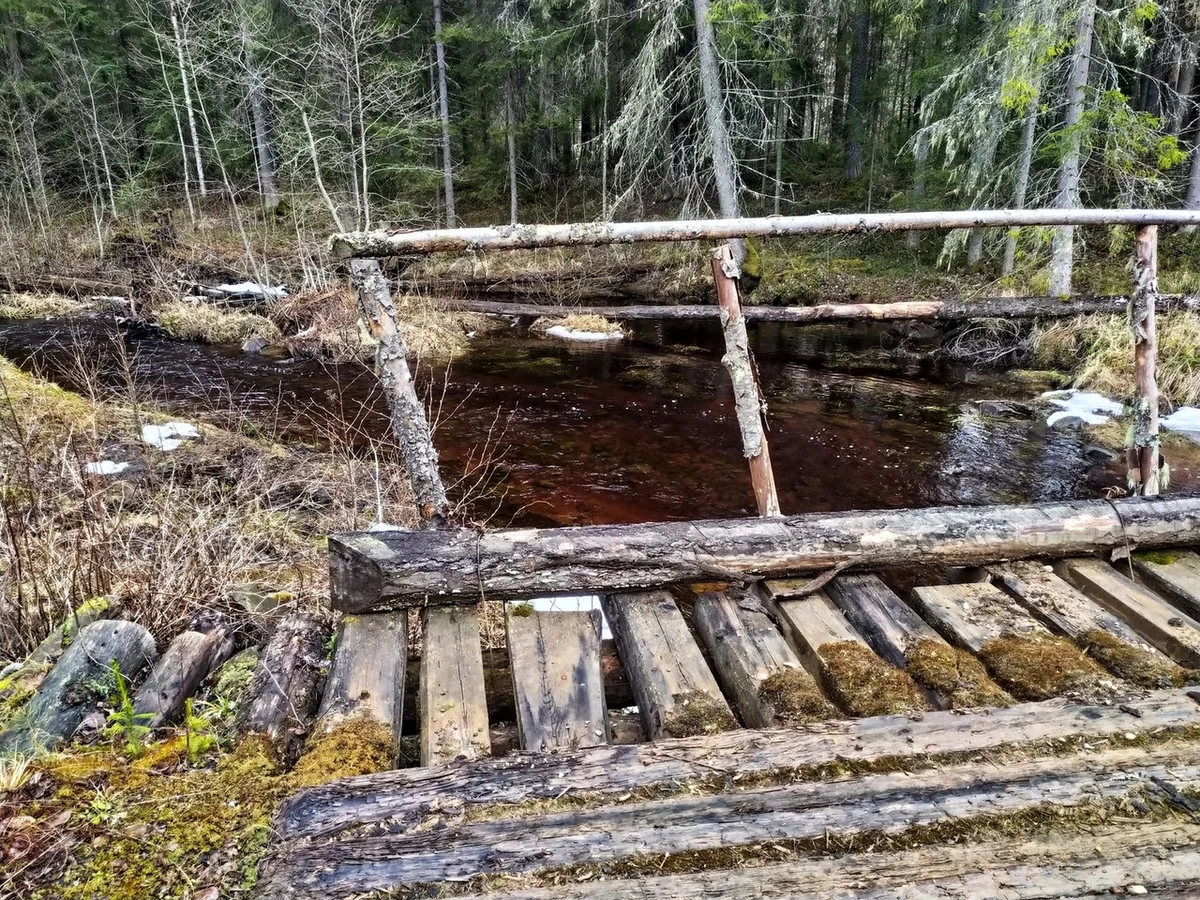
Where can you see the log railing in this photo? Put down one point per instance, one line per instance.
(1143, 456)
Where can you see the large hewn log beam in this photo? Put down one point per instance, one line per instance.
(590, 234)
(380, 570)
(955, 310)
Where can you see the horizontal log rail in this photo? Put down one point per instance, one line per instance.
(954, 310)
(381, 243)
(380, 570)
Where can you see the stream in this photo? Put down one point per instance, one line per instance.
(541, 431)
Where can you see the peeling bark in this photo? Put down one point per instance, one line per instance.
(1143, 454)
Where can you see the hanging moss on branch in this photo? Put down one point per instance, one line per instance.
(955, 674)
(1038, 668)
(865, 685)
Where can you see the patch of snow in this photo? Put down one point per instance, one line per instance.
(384, 526)
(1088, 406)
(170, 436)
(105, 467)
(573, 603)
(1186, 418)
(560, 331)
(251, 289)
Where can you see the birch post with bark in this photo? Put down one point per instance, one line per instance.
(409, 423)
(444, 113)
(748, 401)
(1144, 448)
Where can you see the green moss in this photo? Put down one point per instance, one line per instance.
(236, 676)
(696, 713)
(955, 674)
(794, 698)
(1156, 557)
(521, 610)
(1038, 668)
(1133, 664)
(865, 685)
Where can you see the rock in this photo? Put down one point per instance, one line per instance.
(1066, 422)
(1009, 408)
(255, 344)
(1095, 454)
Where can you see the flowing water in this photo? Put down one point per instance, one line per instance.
(643, 429)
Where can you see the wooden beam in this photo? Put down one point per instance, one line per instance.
(676, 693)
(380, 570)
(367, 676)
(952, 310)
(454, 720)
(556, 677)
(750, 819)
(1144, 455)
(1175, 575)
(409, 423)
(748, 402)
(407, 796)
(591, 234)
(178, 673)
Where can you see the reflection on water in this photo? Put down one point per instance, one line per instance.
(644, 430)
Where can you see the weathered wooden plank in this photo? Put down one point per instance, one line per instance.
(676, 693)
(688, 823)
(761, 674)
(1173, 632)
(454, 721)
(77, 684)
(1164, 858)
(179, 672)
(407, 796)
(417, 568)
(837, 655)
(288, 682)
(367, 675)
(557, 683)
(953, 679)
(1019, 652)
(1175, 575)
(1062, 608)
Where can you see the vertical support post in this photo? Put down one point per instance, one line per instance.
(408, 414)
(1143, 453)
(747, 398)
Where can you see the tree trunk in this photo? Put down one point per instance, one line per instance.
(264, 155)
(781, 117)
(1062, 245)
(444, 113)
(408, 414)
(190, 110)
(399, 569)
(720, 147)
(1144, 459)
(856, 112)
(1024, 162)
(177, 675)
(920, 155)
(1181, 111)
(837, 112)
(511, 129)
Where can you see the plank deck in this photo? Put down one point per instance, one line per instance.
(688, 823)
(761, 674)
(971, 615)
(1174, 574)
(676, 692)
(887, 623)
(1172, 631)
(454, 719)
(557, 683)
(367, 676)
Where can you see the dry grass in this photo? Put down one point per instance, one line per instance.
(202, 322)
(1099, 350)
(175, 533)
(40, 306)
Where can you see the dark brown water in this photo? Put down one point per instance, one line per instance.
(642, 430)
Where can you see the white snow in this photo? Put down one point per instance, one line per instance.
(1186, 418)
(170, 436)
(573, 603)
(561, 331)
(106, 467)
(1092, 408)
(250, 288)
(384, 526)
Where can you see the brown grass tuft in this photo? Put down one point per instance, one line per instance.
(210, 325)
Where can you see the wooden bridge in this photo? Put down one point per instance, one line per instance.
(907, 703)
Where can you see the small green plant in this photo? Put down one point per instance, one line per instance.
(199, 731)
(124, 724)
(14, 772)
(104, 808)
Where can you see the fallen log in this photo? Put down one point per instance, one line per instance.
(22, 679)
(288, 683)
(192, 656)
(77, 683)
(69, 285)
(380, 570)
(954, 310)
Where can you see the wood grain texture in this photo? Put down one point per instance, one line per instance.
(454, 720)
(1165, 858)
(752, 660)
(1173, 632)
(379, 570)
(888, 624)
(557, 682)
(367, 676)
(1175, 575)
(178, 673)
(970, 615)
(407, 796)
(656, 829)
(676, 693)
